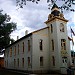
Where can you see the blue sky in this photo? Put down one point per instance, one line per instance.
(32, 16)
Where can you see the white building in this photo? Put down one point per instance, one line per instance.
(43, 50)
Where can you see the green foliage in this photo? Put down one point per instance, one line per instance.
(6, 27)
(66, 6)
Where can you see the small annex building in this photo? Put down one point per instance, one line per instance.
(47, 49)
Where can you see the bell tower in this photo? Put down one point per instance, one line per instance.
(60, 55)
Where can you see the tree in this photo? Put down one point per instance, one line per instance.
(6, 27)
(66, 6)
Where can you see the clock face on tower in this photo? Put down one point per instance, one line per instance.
(61, 27)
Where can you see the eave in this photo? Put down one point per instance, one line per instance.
(54, 18)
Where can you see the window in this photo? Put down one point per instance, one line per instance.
(41, 44)
(18, 62)
(28, 45)
(5, 63)
(52, 45)
(15, 51)
(53, 60)
(29, 63)
(23, 47)
(4, 54)
(10, 52)
(61, 27)
(41, 61)
(22, 62)
(18, 48)
(7, 53)
(64, 60)
(51, 28)
(14, 62)
(63, 44)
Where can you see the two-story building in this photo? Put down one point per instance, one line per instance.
(47, 49)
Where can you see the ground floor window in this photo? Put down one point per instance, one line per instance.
(53, 60)
(18, 62)
(41, 61)
(29, 62)
(14, 62)
(22, 62)
(5, 63)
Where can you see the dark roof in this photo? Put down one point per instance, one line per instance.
(24, 37)
(55, 6)
(18, 40)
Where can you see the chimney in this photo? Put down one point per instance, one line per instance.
(26, 32)
(10, 42)
(17, 37)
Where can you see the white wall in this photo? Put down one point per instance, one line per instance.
(37, 53)
(21, 55)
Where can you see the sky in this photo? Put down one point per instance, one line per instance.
(32, 16)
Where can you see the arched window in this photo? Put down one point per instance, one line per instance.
(61, 27)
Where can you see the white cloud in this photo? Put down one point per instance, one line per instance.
(31, 17)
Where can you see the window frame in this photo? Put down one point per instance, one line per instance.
(52, 44)
(23, 46)
(28, 45)
(53, 60)
(62, 27)
(41, 61)
(63, 44)
(41, 45)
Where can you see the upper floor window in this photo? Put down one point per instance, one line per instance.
(52, 45)
(63, 44)
(18, 48)
(41, 61)
(62, 27)
(41, 44)
(7, 53)
(10, 51)
(15, 51)
(51, 28)
(23, 47)
(28, 45)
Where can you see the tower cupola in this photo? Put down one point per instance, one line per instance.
(55, 10)
(55, 14)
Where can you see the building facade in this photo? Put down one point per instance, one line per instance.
(42, 50)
